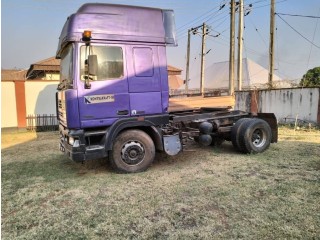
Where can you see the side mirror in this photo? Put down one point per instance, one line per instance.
(92, 66)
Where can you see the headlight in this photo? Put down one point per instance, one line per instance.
(76, 143)
(71, 140)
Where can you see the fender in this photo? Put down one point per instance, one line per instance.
(150, 124)
(271, 119)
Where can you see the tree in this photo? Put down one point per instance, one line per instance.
(311, 78)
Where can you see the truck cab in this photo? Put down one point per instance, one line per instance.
(128, 45)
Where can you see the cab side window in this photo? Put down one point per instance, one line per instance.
(110, 61)
(143, 61)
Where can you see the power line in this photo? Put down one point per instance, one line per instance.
(268, 4)
(245, 45)
(314, 34)
(216, 14)
(298, 32)
(210, 17)
(200, 18)
(260, 35)
(222, 21)
(181, 32)
(297, 15)
(256, 2)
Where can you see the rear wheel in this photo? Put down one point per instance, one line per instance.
(235, 132)
(254, 136)
(133, 151)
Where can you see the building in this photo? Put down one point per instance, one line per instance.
(48, 69)
(28, 93)
(175, 80)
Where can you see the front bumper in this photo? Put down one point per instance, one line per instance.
(78, 152)
(73, 154)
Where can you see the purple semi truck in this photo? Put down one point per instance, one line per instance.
(113, 96)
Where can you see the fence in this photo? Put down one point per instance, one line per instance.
(41, 123)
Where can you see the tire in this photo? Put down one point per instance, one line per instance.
(133, 151)
(254, 136)
(235, 132)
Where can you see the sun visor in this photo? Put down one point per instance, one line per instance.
(170, 28)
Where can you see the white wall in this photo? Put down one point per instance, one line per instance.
(302, 103)
(40, 97)
(8, 105)
(289, 103)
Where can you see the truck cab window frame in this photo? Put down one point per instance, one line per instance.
(110, 62)
(66, 68)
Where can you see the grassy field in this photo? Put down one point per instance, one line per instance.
(203, 193)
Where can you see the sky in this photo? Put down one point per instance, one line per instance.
(30, 30)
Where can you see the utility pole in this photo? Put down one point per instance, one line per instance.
(204, 33)
(271, 44)
(240, 34)
(231, 56)
(188, 62)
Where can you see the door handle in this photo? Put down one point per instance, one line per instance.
(122, 112)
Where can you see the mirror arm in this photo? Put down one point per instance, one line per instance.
(91, 69)
(87, 84)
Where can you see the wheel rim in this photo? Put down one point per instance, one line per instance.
(259, 138)
(132, 153)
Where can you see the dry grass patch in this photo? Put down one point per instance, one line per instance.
(12, 139)
(205, 193)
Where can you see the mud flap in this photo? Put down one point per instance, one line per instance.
(172, 144)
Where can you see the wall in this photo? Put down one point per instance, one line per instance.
(303, 103)
(243, 101)
(20, 98)
(52, 76)
(40, 97)
(8, 105)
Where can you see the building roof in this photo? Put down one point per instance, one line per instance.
(48, 65)
(52, 61)
(53, 65)
(173, 70)
(13, 74)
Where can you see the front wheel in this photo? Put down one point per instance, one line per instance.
(133, 151)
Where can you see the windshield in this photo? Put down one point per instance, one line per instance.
(66, 68)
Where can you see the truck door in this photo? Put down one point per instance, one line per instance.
(144, 80)
(107, 99)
